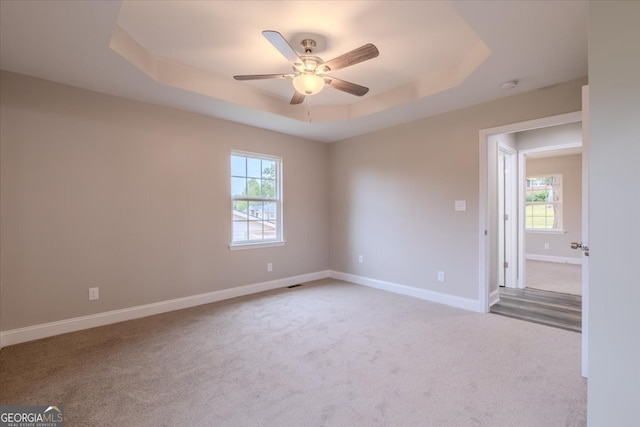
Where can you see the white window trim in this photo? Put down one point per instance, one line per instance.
(258, 244)
(545, 231)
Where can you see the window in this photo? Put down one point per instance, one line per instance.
(543, 203)
(257, 199)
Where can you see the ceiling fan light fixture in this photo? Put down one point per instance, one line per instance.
(309, 72)
(308, 83)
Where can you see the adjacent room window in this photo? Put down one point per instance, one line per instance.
(256, 192)
(543, 203)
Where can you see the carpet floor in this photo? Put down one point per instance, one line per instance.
(554, 276)
(327, 353)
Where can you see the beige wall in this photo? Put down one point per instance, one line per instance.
(570, 133)
(570, 167)
(393, 193)
(133, 198)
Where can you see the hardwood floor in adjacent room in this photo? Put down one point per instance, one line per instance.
(544, 307)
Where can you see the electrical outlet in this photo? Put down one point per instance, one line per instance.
(361, 259)
(546, 246)
(269, 266)
(440, 276)
(94, 294)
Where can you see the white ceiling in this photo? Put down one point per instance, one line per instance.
(434, 56)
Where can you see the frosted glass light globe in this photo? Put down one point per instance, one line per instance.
(308, 84)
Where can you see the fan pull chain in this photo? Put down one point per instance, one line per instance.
(308, 110)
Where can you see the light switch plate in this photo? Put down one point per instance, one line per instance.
(461, 205)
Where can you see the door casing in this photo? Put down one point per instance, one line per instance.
(488, 146)
(508, 205)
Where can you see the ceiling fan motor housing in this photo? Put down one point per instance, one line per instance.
(308, 45)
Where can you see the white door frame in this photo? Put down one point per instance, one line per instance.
(509, 244)
(585, 231)
(483, 239)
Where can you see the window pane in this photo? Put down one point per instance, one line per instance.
(253, 187)
(269, 231)
(238, 166)
(240, 231)
(255, 230)
(269, 211)
(540, 215)
(255, 210)
(238, 186)
(253, 168)
(239, 206)
(269, 188)
(268, 169)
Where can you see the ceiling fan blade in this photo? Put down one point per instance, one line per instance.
(262, 76)
(283, 46)
(363, 53)
(298, 98)
(345, 86)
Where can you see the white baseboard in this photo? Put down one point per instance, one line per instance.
(30, 333)
(494, 297)
(451, 300)
(558, 259)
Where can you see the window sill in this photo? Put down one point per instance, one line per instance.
(244, 246)
(549, 231)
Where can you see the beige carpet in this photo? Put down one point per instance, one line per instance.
(554, 276)
(324, 354)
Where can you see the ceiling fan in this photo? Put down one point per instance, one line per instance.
(310, 73)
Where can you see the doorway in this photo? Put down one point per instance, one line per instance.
(488, 226)
(553, 210)
(489, 239)
(549, 288)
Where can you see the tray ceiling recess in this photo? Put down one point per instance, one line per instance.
(199, 46)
